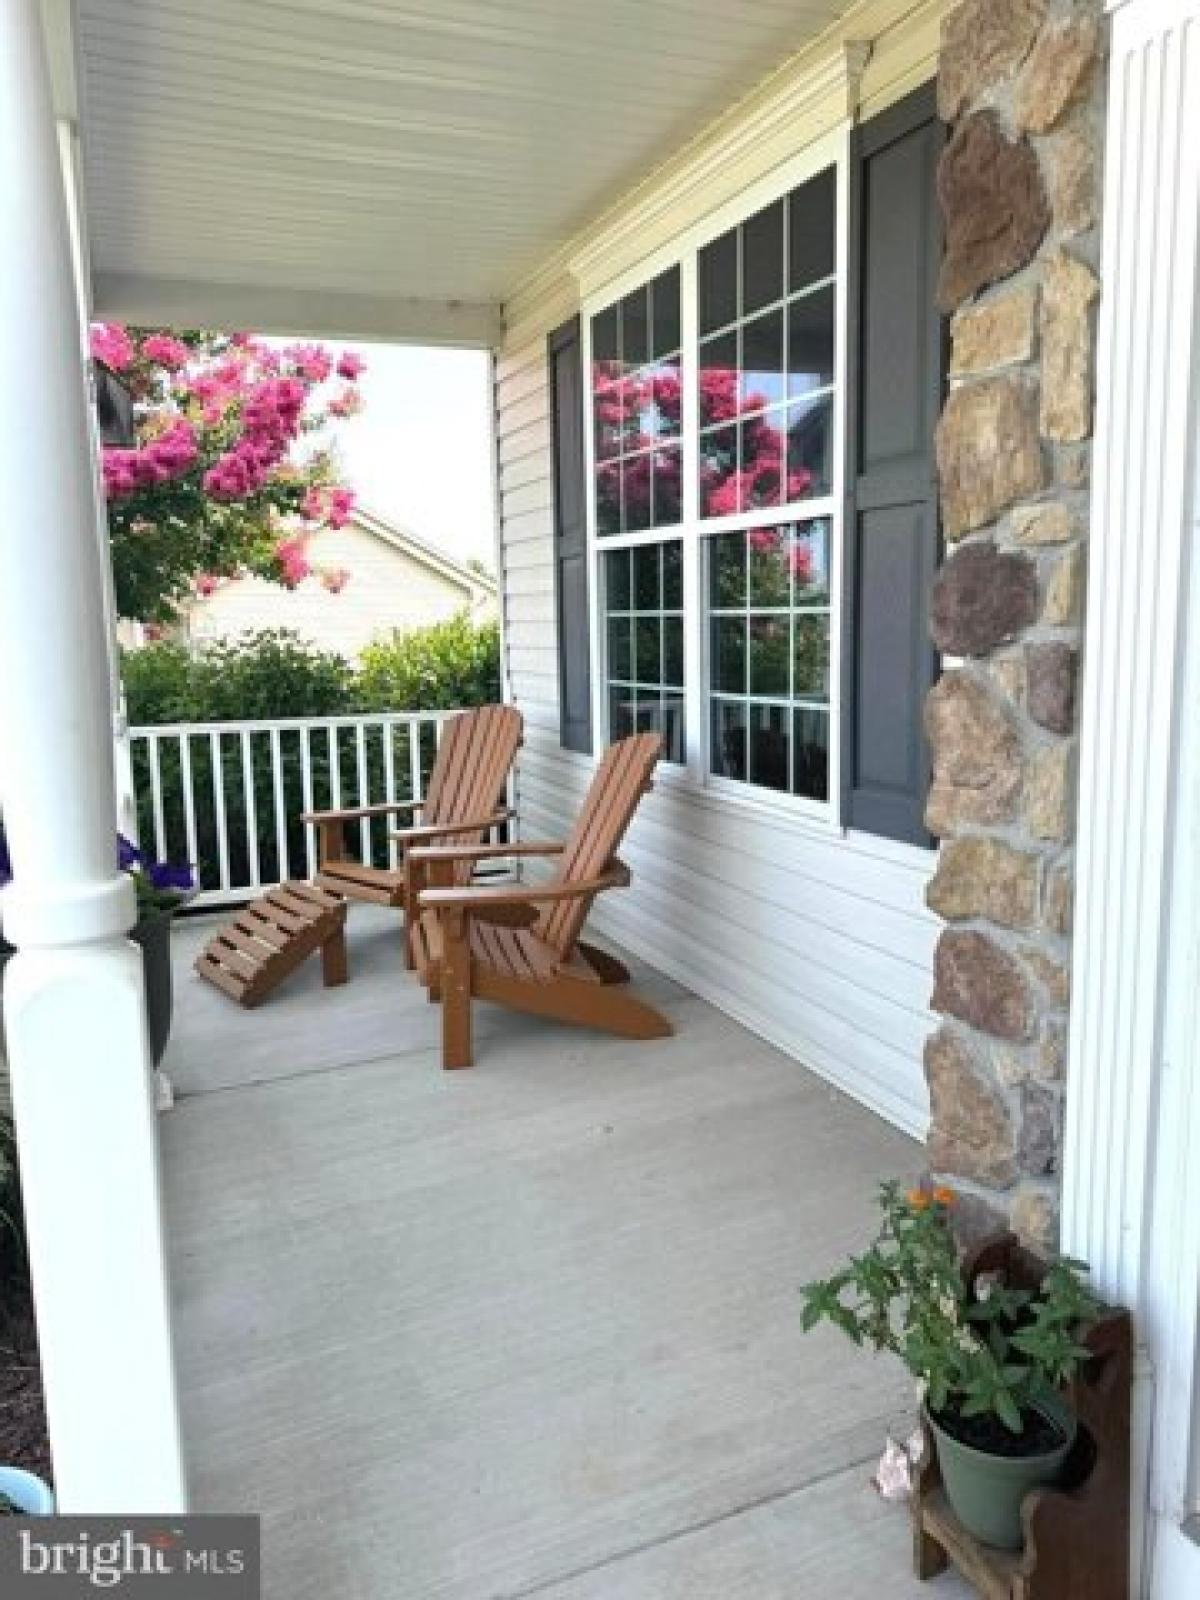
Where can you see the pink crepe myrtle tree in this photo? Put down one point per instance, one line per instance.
(219, 482)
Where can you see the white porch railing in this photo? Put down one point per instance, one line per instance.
(228, 795)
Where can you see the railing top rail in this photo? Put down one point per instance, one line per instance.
(290, 724)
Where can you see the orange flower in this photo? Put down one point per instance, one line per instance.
(919, 1199)
(944, 1196)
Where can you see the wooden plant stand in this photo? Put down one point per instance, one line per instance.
(255, 951)
(1077, 1534)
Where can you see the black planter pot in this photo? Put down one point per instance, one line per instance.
(153, 933)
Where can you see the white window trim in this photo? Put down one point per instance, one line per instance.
(693, 776)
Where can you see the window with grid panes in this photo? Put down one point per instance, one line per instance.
(764, 371)
(637, 420)
(766, 307)
(760, 522)
(768, 679)
(643, 605)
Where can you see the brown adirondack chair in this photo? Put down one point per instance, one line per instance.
(519, 945)
(462, 801)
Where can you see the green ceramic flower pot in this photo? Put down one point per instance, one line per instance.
(985, 1491)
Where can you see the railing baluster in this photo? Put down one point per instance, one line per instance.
(156, 797)
(189, 802)
(234, 871)
(306, 785)
(219, 817)
(364, 796)
(283, 862)
(415, 781)
(386, 733)
(335, 769)
(250, 808)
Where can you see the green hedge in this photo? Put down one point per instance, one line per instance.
(275, 674)
(454, 663)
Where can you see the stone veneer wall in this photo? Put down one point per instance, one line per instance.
(1022, 83)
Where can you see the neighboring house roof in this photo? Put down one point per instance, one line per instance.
(421, 550)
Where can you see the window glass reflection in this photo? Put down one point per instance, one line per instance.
(770, 656)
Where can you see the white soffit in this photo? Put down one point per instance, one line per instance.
(394, 167)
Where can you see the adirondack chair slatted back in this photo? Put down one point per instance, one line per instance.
(470, 770)
(621, 779)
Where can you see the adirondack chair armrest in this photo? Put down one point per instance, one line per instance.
(484, 852)
(470, 900)
(354, 813)
(447, 830)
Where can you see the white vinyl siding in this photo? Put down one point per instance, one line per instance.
(817, 940)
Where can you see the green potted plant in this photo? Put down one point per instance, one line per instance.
(161, 888)
(991, 1361)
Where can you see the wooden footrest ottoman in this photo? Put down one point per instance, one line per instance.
(269, 939)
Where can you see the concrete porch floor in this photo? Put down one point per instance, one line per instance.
(527, 1330)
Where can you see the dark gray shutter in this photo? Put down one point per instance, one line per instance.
(897, 360)
(570, 538)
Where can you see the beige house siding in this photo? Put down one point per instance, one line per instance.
(820, 942)
(389, 588)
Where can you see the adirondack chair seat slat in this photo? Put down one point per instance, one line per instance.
(374, 884)
(512, 952)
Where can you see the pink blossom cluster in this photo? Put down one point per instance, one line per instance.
(623, 402)
(330, 505)
(802, 563)
(111, 343)
(312, 361)
(763, 479)
(165, 351)
(172, 454)
(347, 403)
(271, 414)
(315, 363)
(225, 382)
(771, 542)
(718, 395)
(292, 556)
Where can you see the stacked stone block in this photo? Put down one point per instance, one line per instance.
(1021, 84)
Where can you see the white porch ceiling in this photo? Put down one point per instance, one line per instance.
(387, 166)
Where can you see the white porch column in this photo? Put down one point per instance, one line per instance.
(70, 162)
(1131, 1186)
(73, 994)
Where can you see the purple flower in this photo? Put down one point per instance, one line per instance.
(175, 875)
(158, 877)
